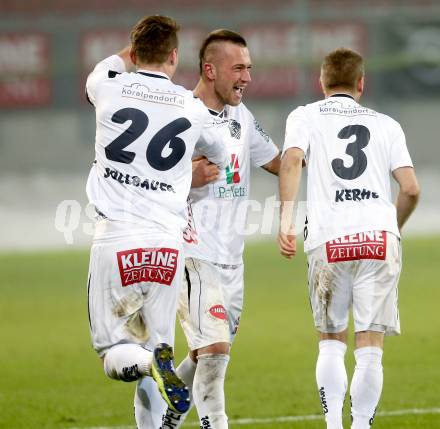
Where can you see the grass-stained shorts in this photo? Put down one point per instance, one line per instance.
(360, 271)
(211, 301)
(133, 288)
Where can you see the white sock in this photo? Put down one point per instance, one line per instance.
(149, 406)
(127, 362)
(366, 386)
(331, 378)
(186, 371)
(208, 390)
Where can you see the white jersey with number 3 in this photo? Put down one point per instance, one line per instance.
(350, 152)
(146, 132)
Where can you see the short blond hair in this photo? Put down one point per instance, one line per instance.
(153, 38)
(342, 68)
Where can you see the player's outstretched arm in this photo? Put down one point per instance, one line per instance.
(409, 193)
(289, 181)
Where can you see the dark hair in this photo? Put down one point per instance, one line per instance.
(153, 38)
(221, 35)
(342, 68)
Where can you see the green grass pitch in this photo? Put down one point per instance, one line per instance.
(51, 378)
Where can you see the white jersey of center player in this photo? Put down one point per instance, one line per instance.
(217, 223)
(350, 152)
(146, 131)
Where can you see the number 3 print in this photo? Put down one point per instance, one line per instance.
(354, 150)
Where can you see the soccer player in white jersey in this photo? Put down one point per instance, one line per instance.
(212, 297)
(352, 229)
(147, 130)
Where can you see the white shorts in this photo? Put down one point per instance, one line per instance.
(359, 271)
(211, 301)
(133, 288)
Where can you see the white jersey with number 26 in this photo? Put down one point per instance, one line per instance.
(146, 132)
(350, 152)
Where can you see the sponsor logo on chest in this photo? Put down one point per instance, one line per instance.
(157, 265)
(233, 170)
(363, 245)
(232, 189)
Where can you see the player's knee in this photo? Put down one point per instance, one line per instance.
(369, 339)
(338, 336)
(127, 362)
(215, 349)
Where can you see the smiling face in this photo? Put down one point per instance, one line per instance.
(228, 66)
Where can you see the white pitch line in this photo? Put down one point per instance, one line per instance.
(289, 419)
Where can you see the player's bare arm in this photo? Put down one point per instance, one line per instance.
(409, 193)
(273, 166)
(289, 181)
(203, 172)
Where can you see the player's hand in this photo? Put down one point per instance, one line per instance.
(287, 244)
(204, 172)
